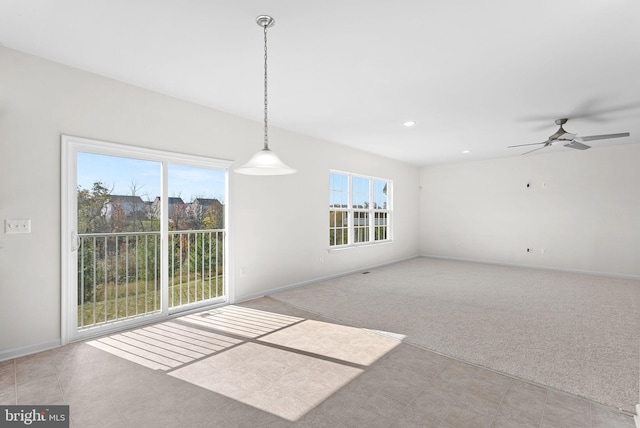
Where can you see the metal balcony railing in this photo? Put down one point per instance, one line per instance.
(119, 274)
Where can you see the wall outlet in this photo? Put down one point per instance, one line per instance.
(17, 225)
(321, 259)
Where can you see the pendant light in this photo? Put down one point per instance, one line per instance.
(265, 162)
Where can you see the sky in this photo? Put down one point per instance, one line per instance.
(122, 174)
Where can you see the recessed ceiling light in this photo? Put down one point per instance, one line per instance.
(409, 123)
(466, 151)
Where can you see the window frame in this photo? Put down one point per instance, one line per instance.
(371, 212)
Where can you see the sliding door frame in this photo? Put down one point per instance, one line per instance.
(71, 146)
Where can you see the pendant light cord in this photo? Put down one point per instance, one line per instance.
(266, 128)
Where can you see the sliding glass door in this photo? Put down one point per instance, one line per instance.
(144, 235)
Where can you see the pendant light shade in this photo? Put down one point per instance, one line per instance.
(265, 162)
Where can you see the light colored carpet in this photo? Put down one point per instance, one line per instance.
(577, 333)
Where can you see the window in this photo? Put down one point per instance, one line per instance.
(359, 209)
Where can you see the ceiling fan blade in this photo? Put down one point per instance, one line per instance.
(604, 137)
(530, 144)
(577, 145)
(539, 148)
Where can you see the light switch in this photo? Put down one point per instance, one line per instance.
(17, 225)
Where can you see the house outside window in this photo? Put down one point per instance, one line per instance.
(359, 209)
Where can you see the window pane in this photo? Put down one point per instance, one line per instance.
(115, 194)
(361, 226)
(380, 196)
(196, 198)
(380, 226)
(338, 227)
(360, 192)
(338, 190)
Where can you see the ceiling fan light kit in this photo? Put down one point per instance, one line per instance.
(572, 141)
(265, 162)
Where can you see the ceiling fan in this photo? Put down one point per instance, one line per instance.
(569, 140)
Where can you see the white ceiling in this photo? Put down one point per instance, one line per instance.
(474, 75)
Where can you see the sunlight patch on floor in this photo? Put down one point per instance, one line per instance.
(281, 382)
(276, 363)
(164, 346)
(341, 342)
(241, 321)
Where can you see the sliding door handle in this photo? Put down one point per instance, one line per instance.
(75, 242)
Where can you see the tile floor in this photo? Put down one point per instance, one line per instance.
(265, 364)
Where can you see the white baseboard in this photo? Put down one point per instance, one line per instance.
(551, 268)
(10, 354)
(315, 281)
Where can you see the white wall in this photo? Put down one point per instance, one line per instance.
(279, 223)
(582, 208)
